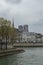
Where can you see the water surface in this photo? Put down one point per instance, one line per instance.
(31, 56)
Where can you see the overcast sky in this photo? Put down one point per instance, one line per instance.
(24, 12)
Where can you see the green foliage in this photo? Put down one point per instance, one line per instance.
(7, 32)
(5, 29)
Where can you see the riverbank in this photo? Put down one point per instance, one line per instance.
(28, 45)
(10, 51)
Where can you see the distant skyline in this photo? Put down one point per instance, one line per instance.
(24, 12)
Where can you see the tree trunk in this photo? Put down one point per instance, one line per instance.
(6, 42)
(1, 46)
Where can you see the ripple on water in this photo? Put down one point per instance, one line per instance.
(31, 56)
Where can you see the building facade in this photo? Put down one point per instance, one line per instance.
(28, 37)
(20, 28)
(23, 28)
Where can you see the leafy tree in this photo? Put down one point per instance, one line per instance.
(4, 30)
(14, 35)
(7, 32)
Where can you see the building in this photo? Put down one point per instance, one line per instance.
(30, 37)
(25, 28)
(27, 37)
(42, 39)
(20, 28)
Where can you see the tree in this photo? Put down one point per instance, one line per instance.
(5, 28)
(38, 35)
(7, 32)
(14, 35)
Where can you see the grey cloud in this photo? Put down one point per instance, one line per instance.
(39, 23)
(37, 27)
(26, 12)
(13, 1)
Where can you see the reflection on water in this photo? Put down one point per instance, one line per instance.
(31, 56)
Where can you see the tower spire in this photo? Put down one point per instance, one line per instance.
(13, 23)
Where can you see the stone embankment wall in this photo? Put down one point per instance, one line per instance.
(10, 51)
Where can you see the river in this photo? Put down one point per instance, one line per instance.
(31, 56)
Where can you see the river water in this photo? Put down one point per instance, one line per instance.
(31, 56)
